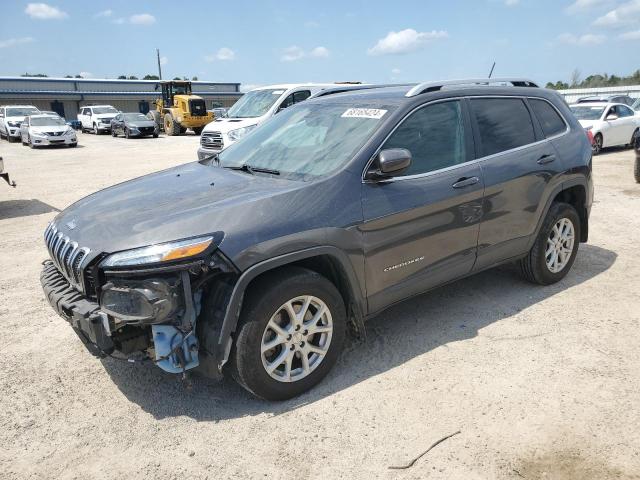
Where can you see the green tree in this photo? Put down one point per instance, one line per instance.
(151, 77)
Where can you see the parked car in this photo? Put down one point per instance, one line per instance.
(44, 130)
(252, 109)
(75, 124)
(636, 107)
(5, 175)
(252, 263)
(97, 118)
(625, 99)
(133, 125)
(611, 124)
(11, 117)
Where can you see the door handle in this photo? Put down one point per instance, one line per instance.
(465, 182)
(546, 159)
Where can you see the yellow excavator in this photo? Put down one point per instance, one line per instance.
(178, 109)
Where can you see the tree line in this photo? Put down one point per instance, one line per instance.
(121, 77)
(596, 81)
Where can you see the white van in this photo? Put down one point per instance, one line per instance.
(252, 109)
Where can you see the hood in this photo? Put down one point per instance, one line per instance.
(225, 125)
(50, 128)
(181, 202)
(15, 119)
(588, 123)
(141, 123)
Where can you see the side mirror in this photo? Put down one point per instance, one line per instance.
(389, 163)
(611, 116)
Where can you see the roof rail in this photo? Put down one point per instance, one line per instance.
(427, 87)
(344, 88)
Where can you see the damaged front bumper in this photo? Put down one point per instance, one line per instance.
(174, 348)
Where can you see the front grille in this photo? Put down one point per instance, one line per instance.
(146, 129)
(68, 257)
(212, 140)
(54, 134)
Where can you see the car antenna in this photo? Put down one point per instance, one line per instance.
(491, 71)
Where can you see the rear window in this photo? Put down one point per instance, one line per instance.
(550, 120)
(504, 124)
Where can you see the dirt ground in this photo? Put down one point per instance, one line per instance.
(541, 382)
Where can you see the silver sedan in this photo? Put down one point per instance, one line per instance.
(43, 130)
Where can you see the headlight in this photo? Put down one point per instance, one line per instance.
(162, 252)
(13, 124)
(38, 134)
(240, 132)
(69, 131)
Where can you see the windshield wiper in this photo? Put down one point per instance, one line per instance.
(245, 167)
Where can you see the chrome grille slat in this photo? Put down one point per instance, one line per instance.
(212, 140)
(68, 257)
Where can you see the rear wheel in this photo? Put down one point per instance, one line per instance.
(290, 334)
(555, 248)
(597, 144)
(636, 168)
(633, 137)
(171, 127)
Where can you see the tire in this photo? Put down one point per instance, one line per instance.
(197, 130)
(171, 127)
(24, 144)
(535, 266)
(126, 133)
(30, 143)
(113, 132)
(96, 131)
(636, 168)
(9, 138)
(265, 300)
(73, 145)
(633, 137)
(597, 144)
(155, 135)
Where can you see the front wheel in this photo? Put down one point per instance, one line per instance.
(126, 133)
(636, 168)
(95, 129)
(291, 331)
(555, 248)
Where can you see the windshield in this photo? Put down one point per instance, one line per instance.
(587, 113)
(21, 111)
(306, 140)
(132, 117)
(99, 110)
(46, 121)
(255, 103)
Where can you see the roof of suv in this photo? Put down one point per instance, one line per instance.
(401, 94)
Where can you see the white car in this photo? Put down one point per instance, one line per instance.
(11, 117)
(611, 124)
(252, 109)
(43, 130)
(97, 118)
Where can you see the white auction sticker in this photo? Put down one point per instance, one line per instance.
(277, 92)
(374, 113)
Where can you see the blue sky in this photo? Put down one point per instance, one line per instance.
(271, 41)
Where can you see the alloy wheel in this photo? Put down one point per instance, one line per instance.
(296, 339)
(560, 245)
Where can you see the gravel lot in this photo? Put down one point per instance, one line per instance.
(542, 382)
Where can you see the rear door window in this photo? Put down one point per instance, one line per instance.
(301, 96)
(549, 118)
(504, 124)
(624, 111)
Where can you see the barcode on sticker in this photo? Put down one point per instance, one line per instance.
(374, 113)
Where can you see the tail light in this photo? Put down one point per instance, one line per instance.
(590, 136)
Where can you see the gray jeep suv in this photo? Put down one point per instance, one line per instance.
(253, 262)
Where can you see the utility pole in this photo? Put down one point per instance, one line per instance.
(159, 67)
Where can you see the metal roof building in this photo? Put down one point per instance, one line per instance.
(66, 95)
